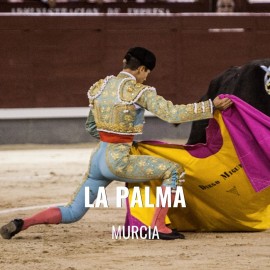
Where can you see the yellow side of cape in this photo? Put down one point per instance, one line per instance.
(218, 194)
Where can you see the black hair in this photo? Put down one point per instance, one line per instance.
(131, 62)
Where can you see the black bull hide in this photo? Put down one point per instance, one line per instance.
(246, 82)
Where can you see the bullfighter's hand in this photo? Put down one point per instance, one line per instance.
(222, 103)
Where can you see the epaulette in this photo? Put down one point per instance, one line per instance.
(95, 88)
(130, 91)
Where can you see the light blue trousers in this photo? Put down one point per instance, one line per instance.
(114, 162)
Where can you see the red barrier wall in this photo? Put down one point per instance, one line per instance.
(51, 60)
(128, 6)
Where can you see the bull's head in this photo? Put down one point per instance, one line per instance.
(266, 79)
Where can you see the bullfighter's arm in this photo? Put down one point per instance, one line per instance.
(171, 113)
(90, 125)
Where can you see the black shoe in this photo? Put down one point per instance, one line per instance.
(180, 234)
(13, 227)
(168, 236)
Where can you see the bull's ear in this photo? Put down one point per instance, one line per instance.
(264, 68)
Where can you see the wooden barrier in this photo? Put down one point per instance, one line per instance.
(51, 60)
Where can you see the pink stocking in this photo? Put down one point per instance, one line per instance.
(49, 216)
(159, 217)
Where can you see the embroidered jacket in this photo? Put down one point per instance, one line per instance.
(118, 104)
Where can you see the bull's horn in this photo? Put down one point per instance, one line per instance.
(266, 69)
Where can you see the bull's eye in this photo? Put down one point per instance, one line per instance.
(266, 79)
(267, 84)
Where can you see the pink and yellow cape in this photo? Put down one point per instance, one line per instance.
(227, 185)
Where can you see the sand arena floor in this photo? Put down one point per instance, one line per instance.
(35, 176)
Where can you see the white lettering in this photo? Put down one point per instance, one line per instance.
(154, 234)
(179, 197)
(116, 233)
(101, 198)
(135, 232)
(87, 197)
(163, 197)
(136, 197)
(121, 193)
(147, 197)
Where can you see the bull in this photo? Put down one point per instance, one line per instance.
(250, 82)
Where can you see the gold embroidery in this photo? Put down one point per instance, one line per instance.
(141, 163)
(176, 113)
(118, 128)
(130, 90)
(125, 159)
(122, 147)
(130, 169)
(162, 167)
(119, 170)
(115, 156)
(117, 118)
(95, 87)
